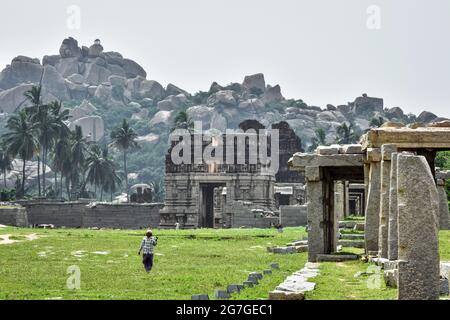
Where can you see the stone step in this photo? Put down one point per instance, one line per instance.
(336, 257)
(352, 243)
(351, 224)
(283, 295)
(352, 236)
(360, 226)
(298, 243)
(200, 297)
(288, 250)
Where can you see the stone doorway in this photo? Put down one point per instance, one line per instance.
(207, 204)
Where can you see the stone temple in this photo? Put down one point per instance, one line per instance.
(241, 194)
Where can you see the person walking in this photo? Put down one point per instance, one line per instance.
(147, 248)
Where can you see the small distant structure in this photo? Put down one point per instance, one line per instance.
(141, 193)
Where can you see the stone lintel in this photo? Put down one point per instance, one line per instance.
(302, 160)
(408, 138)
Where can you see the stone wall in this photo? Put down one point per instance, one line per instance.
(14, 216)
(293, 216)
(244, 215)
(84, 215)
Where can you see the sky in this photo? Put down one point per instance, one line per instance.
(320, 51)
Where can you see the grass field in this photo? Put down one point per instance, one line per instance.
(186, 263)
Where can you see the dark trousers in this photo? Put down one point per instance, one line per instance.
(148, 262)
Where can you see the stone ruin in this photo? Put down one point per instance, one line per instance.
(404, 199)
(225, 195)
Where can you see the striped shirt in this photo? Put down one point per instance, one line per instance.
(147, 245)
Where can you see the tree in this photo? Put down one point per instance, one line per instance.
(21, 140)
(78, 150)
(124, 138)
(318, 140)
(376, 122)
(345, 134)
(158, 190)
(5, 163)
(34, 97)
(182, 121)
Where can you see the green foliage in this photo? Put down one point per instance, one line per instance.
(7, 195)
(318, 140)
(345, 134)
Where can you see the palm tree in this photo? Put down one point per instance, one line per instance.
(345, 134)
(124, 138)
(5, 164)
(158, 190)
(318, 140)
(21, 140)
(95, 170)
(78, 149)
(34, 97)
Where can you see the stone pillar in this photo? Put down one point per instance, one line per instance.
(386, 152)
(444, 217)
(339, 206)
(393, 211)
(347, 199)
(373, 201)
(315, 212)
(418, 246)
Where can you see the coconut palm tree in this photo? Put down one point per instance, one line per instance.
(78, 150)
(34, 97)
(21, 140)
(345, 134)
(5, 163)
(124, 138)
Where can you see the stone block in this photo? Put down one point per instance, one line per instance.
(391, 278)
(328, 150)
(443, 288)
(234, 288)
(336, 257)
(313, 174)
(257, 275)
(352, 243)
(373, 154)
(387, 150)
(275, 265)
(283, 295)
(267, 272)
(200, 297)
(418, 231)
(360, 226)
(249, 284)
(352, 149)
(221, 294)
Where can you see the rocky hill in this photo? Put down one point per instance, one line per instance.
(102, 87)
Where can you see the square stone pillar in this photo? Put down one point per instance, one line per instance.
(315, 212)
(393, 211)
(444, 217)
(418, 231)
(347, 199)
(386, 153)
(339, 206)
(373, 200)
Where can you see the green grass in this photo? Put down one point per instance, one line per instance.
(188, 262)
(354, 218)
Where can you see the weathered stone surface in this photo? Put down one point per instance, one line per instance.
(200, 297)
(267, 272)
(275, 265)
(373, 207)
(408, 138)
(221, 294)
(283, 295)
(444, 215)
(426, 117)
(313, 174)
(93, 127)
(417, 230)
(336, 257)
(352, 243)
(301, 160)
(328, 150)
(351, 149)
(255, 82)
(315, 203)
(393, 211)
(161, 117)
(272, 94)
(391, 278)
(173, 90)
(133, 69)
(234, 288)
(359, 226)
(69, 48)
(13, 99)
(386, 152)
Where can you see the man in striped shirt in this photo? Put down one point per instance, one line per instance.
(147, 245)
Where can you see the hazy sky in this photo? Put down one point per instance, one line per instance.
(321, 51)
